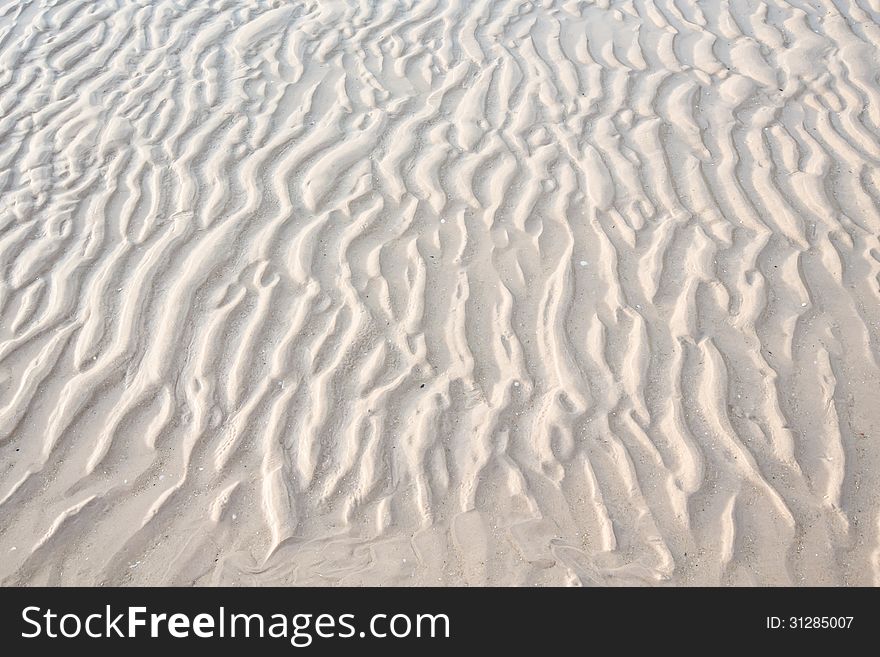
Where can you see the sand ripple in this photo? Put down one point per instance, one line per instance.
(490, 292)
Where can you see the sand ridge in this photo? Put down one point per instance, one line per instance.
(439, 292)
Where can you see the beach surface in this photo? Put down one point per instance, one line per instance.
(440, 292)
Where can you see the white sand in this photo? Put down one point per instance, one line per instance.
(340, 292)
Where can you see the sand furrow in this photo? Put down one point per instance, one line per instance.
(435, 291)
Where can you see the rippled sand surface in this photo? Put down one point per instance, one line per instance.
(440, 292)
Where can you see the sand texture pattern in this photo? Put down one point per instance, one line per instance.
(440, 292)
